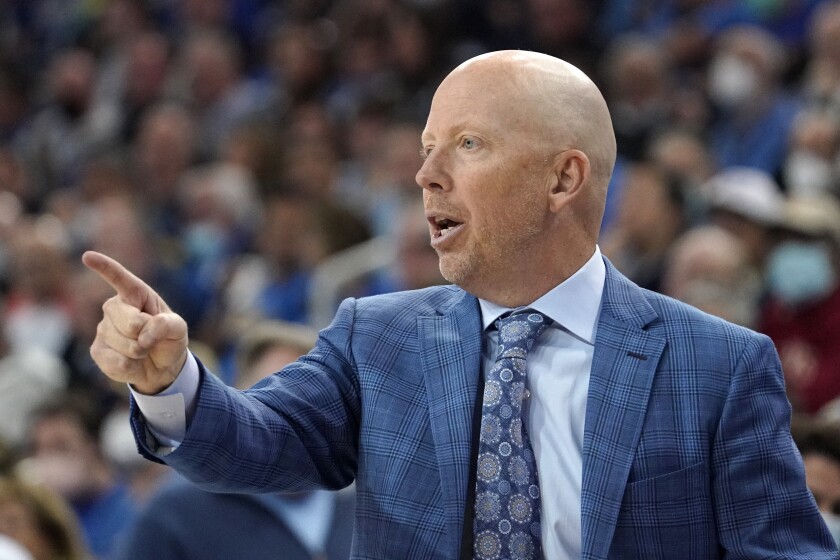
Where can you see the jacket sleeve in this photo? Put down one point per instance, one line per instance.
(295, 430)
(762, 504)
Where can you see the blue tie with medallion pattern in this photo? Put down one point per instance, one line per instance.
(507, 495)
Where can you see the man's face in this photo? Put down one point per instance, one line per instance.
(486, 178)
(63, 456)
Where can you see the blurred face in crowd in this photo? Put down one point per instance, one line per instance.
(73, 78)
(163, 150)
(19, 523)
(63, 456)
(39, 267)
(823, 476)
(148, 61)
(647, 213)
(825, 34)
(708, 268)
(502, 171)
(746, 64)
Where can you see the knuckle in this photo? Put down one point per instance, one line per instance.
(135, 350)
(134, 325)
(124, 364)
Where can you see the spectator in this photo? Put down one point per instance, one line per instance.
(390, 184)
(812, 167)
(66, 458)
(72, 127)
(86, 292)
(162, 153)
(15, 102)
(749, 204)
(220, 96)
(298, 65)
(116, 225)
(639, 91)
(650, 216)
(821, 83)
(257, 148)
(221, 209)
(819, 445)
(144, 79)
(683, 155)
(802, 312)
(756, 114)
(37, 310)
(39, 520)
(275, 282)
(416, 262)
(29, 377)
(709, 268)
(183, 522)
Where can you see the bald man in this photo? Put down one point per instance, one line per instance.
(656, 431)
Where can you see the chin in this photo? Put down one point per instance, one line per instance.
(453, 270)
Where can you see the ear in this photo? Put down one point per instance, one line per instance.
(571, 174)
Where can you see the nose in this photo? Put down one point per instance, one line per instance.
(431, 175)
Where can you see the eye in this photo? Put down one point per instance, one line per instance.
(425, 151)
(469, 143)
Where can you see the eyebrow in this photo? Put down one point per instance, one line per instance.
(458, 126)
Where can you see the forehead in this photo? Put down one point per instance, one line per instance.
(482, 100)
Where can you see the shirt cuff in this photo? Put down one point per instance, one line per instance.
(167, 413)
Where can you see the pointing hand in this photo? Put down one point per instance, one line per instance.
(139, 340)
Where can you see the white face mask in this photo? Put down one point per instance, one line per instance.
(832, 521)
(807, 174)
(67, 475)
(732, 81)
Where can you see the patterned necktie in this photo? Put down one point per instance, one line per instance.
(507, 504)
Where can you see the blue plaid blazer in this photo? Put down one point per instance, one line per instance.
(686, 455)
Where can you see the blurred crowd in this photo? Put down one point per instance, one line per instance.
(254, 161)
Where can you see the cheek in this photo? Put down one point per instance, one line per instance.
(504, 196)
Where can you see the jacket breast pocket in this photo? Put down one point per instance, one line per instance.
(677, 487)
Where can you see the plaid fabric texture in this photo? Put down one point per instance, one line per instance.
(686, 451)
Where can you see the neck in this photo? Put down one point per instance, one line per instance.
(519, 290)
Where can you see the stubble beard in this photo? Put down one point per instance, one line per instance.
(496, 267)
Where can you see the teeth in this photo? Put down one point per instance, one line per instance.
(444, 227)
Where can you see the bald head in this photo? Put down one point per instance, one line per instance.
(564, 107)
(519, 148)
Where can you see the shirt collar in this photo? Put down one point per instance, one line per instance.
(573, 304)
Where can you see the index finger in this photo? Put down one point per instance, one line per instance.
(129, 287)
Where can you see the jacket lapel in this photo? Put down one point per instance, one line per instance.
(625, 359)
(450, 349)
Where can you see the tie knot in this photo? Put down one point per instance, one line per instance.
(520, 330)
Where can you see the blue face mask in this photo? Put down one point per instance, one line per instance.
(800, 272)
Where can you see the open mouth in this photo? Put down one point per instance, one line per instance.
(443, 227)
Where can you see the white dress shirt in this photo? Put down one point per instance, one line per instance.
(558, 370)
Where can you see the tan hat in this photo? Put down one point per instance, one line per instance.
(747, 192)
(813, 216)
